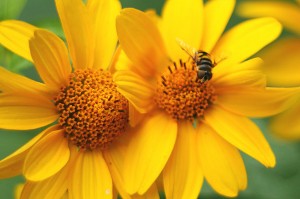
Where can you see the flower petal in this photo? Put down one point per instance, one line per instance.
(11, 82)
(253, 102)
(135, 89)
(247, 74)
(216, 16)
(152, 193)
(77, 28)
(53, 187)
(122, 62)
(15, 36)
(246, 39)
(47, 157)
(140, 39)
(22, 112)
(90, 169)
(65, 196)
(135, 117)
(13, 164)
(222, 164)
(286, 12)
(285, 125)
(282, 70)
(51, 59)
(114, 157)
(182, 176)
(18, 191)
(148, 152)
(183, 20)
(242, 133)
(104, 15)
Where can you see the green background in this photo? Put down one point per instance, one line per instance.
(281, 182)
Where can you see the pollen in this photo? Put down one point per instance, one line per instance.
(92, 112)
(181, 94)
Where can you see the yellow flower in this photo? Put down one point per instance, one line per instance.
(194, 128)
(84, 113)
(282, 59)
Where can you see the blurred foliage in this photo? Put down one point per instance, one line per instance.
(13, 62)
(280, 182)
(11, 9)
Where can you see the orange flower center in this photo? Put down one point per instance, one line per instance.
(92, 112)
(181, 94)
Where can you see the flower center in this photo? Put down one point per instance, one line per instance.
(181, 94)
(92, 112)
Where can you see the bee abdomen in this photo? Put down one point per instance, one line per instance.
(204, 67)
(205, 61)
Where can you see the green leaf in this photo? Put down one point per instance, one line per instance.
(12, 61)
(11, 9)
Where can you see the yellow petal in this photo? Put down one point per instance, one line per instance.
(53, 187)
(242, 133)
(222, 164)
(47, 157)
(223, 68)
(245, 74)
(148, 152)
(15, 36)
(10, 82)
(183, 20)
(253, 102)
(13, 164)
(51, 59)
(286, 12)
(152, 193)
(140, 39)
(104, 15)
(65, 196)
(135, 89)
(286, 125)
(114, 157)
(22, 112)
(18, 191)
(282, 70)
(216, 16)
(182, 176)
(77, 25)
(90, 177)
(246, 39)
(122, 62)
(135, 117)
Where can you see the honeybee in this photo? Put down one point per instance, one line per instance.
(202, 60)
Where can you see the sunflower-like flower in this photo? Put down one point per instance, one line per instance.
(80, 150)
(193, 125)
(282, 60)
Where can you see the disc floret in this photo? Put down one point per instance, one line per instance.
(92, 112)
(181, 94)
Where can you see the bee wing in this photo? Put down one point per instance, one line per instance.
(187, 48)
(220, 58)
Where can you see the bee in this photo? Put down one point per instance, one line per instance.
(202, 60)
